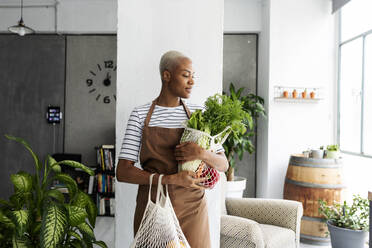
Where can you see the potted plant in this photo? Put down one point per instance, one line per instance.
(236, 145)
(347, 224)
(333, 151)
(38, 216)
(317, 153)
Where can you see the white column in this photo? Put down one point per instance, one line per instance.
(147, 29)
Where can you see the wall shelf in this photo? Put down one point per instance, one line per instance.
(298, 94)
(290, 99)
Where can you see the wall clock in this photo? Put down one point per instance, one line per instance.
(102, 81)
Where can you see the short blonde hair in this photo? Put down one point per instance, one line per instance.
(169, 61)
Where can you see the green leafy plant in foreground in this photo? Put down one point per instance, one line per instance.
(354, 216)
(38, 216)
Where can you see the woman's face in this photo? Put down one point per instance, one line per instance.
(182, 79)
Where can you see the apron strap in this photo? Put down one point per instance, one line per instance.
(186, 108)
(148, 117)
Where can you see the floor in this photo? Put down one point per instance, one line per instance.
(303, 245)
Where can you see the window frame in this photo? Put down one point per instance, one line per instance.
(340, 44)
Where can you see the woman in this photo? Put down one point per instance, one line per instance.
(154, 131)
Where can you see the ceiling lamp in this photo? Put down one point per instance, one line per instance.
(21, 29)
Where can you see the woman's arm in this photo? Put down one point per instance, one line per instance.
(189, 151)
(127, 172)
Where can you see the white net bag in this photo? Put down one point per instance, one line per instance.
(159, 226)
(207, 142)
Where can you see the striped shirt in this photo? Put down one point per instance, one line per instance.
(166, 117)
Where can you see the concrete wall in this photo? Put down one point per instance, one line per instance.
(31, 78)
(63, 16)
(193, 27)
(89, 120)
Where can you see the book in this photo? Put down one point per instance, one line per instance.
(91, 183)
(112, 206)
(102, 159)
(107, 206)
(108, 146)
(102, 206)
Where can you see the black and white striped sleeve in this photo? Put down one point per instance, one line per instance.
(132, 139)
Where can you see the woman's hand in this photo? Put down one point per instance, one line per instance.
(188, 151)
(186, 179)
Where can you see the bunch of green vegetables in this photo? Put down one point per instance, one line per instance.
(220, 111)
(38, 216)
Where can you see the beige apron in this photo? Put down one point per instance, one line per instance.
(157, 156)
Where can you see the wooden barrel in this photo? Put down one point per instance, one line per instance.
(307, 181)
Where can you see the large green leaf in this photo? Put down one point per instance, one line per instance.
(70, 183)
(36, 227)
(54, 224)
(76, 215)
(76, 243)
(74, 234)
(78, 165)
(17, 199)
(56, 194)
(28, 147)
(6, 203)
(19, 243)
(100, 243)
(6, 221)
(22, 181)
(84, 201)
(87, 231)
(21, 219)
(53, 164)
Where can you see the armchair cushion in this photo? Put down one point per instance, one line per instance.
(278, 237)
(238, 232)
(281, 213)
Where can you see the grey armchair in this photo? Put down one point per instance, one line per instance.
(259, 223)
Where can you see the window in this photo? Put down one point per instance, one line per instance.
(355, 78)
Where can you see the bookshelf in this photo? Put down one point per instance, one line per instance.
(102, 184)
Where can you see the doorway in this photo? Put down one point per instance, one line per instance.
(240, 68)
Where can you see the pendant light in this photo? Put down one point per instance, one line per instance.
(21, 29)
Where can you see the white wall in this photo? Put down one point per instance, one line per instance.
(301, 53)
(242, 16)
(263, 91)
(147, 29)
(72, 16)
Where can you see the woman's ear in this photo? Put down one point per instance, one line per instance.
(166, 76)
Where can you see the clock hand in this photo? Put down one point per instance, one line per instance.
(107, 80)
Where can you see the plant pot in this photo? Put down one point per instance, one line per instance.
(317, 153)
(346, 238)
(332, 154)
(236, 188)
